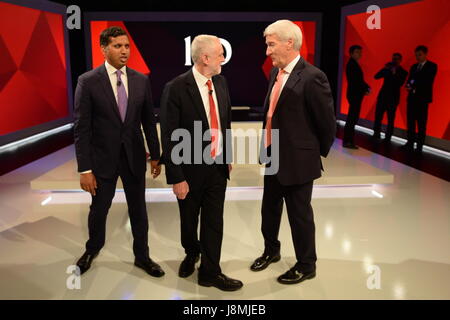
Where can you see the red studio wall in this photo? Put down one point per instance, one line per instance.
(33, 83)
(403, 27)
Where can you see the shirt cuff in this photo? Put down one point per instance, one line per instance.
(87, 171)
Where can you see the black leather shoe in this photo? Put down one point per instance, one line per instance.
(294, 276)
(187, 267)
(350, 145)
(84, 263)
(220, 281)
(152, 268)
(263, 262)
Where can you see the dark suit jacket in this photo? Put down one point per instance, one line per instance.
(99, 131)
(422, 81)
(356, 86)
(181, 105)
(390, 91)
(305, 118)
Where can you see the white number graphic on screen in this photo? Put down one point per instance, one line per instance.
(187, 45)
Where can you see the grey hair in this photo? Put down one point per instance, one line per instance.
(285, 30)
(200, 44)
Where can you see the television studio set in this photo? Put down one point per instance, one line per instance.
(224, 159)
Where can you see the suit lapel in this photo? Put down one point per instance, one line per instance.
(131, 82)
(294, 77)
(196, 98)
(221, 98)
(106, 84)
(273, 76)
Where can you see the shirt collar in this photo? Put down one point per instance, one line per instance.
(111, 70)
(292, 65)
(199, 78)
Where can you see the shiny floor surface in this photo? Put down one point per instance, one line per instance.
(389, 239)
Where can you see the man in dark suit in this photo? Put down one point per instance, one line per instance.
(193, 104)
(299, 105)
(420, 87)
(111, 103)
(389, 96)
(356, 89)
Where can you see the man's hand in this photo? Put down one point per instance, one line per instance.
(230, 167)
(155, 168)
(88, 182)
(181, 189)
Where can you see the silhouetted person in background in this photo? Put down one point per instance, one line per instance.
(389, 96)
(420, 87)
(356, 90)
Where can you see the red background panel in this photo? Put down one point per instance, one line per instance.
(33, 83)
(404, 27)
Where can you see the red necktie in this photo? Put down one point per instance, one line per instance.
(273, 103)
(214, 125)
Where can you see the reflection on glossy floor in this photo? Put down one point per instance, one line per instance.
(403, 229)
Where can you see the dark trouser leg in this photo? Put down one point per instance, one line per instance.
(189, 212)
(352, 118)
(272, 208)
(99, 208)
(211, 226)
(379, 112)
(411, 120)
(422, 118)
(391, 109)
(301, 220)
(134, 188)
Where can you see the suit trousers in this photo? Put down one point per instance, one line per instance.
(352, 118)
(381, 108)
(416, 113)
(301, 220)
(134, 188)
(205, 199)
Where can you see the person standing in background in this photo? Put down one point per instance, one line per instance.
(420, 88)
(389, 96)
(356, 89)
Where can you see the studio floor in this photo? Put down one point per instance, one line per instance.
(382, 232)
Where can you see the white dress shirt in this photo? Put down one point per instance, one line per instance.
(112, 74)
(420, 65)
(113, 79)
(287, 73)
(203, 88)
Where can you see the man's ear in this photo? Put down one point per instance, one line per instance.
(103, 50)
(205, 59)
(291, 44)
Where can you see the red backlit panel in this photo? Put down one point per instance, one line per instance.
(403, 28)
(33, 84)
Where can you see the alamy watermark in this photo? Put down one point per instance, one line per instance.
(247, 146)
